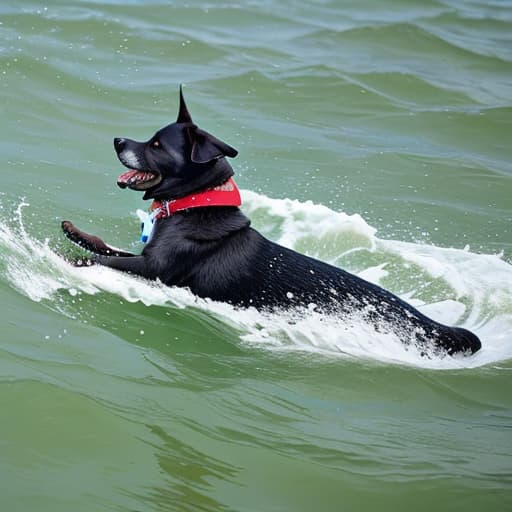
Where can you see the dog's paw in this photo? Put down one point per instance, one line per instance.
(75, 235)
(84, 240)
(90, 243)
(81, 262)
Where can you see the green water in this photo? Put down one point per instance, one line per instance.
(116, 395)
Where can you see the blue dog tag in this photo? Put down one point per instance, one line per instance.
(147, 224)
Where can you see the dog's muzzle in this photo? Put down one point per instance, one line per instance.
(137, 177)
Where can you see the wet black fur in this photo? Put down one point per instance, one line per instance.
(214, 251)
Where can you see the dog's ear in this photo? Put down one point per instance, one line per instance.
(183, 114)
(206, 147)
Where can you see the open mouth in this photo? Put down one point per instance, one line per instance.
(138, 180)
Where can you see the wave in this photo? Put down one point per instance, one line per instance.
(451, 285)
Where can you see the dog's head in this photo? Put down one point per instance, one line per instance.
(178, 160)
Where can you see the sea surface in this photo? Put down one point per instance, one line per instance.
(375, 135)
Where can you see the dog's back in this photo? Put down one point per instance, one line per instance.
(216, 253)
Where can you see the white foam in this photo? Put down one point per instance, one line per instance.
(481, 301)
(297, 221)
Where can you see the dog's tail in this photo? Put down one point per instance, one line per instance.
(464, 341)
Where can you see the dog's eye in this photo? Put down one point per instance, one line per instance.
(156, 144)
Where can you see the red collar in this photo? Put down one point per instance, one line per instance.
(226, 194)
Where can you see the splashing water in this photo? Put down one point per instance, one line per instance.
(476, 289)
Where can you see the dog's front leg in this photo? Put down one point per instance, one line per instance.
(91, 243)
(132, 264)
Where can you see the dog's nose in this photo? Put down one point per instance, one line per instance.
(119, 143)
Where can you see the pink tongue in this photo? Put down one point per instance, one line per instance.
(128, 175)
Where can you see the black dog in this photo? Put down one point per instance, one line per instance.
(201, 240)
